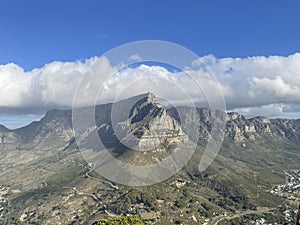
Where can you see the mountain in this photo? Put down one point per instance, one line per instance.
(148, 118)
(3, 128)
(46, 180)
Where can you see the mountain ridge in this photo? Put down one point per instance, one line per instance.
(238, 127)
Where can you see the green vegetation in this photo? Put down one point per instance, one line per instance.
(206, 210)
(246, 219)
(180, 203)
(125, 220)
(134, 197)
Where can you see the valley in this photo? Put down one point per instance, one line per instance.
(45, 178)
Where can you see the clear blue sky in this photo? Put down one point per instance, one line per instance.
(35, 32)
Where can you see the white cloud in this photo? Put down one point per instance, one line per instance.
(256, 81)
(53, 85)
(253, 86)
(272, 110)
(135, 57)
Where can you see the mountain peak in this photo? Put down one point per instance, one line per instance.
(148, 98)
(151, 98)
(148, 124)
(146, 105)
(3, 128)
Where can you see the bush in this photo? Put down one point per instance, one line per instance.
(180, 203)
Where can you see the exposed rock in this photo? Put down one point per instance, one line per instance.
(148, 125)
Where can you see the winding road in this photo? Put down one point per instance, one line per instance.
(90, 169)
(217, 219)
(102, 180)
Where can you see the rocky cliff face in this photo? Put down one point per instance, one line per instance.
(239, 129)
(52, 131)
(137, 129)
(149, 125)
(146, 124)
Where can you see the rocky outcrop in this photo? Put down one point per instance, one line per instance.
(141, 121)
(152, 125)
(240, 129)
(148, 125)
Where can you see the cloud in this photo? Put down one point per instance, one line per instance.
(258, 82)
(273, 111)
(53, 85)
(258, 85)
(135, 57)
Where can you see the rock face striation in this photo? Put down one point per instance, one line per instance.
(149, 126)
(141, 122)
(239, 128)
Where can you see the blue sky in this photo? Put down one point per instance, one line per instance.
(35, 32)
(38, 36)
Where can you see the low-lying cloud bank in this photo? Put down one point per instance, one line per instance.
(258, 85)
